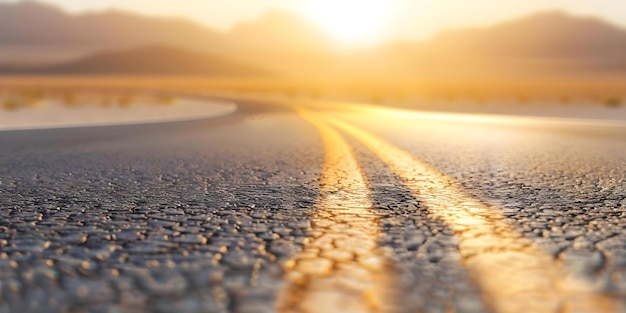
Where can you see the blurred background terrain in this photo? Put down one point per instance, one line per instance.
(547, 56)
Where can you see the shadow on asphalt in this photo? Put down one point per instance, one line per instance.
(422, 246)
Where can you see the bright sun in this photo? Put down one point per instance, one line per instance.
(351, 21)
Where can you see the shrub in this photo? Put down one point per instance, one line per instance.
(613, 102)
(10, 105)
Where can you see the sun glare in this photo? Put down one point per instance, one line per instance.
(351, 21)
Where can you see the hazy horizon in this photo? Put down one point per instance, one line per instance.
(399, 19)
(543, 44)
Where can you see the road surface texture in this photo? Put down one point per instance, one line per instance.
(301, 207)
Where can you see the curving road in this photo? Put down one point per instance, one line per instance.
(315, 207)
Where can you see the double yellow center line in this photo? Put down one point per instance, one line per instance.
(342, 269)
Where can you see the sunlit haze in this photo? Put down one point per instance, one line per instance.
(353, 20)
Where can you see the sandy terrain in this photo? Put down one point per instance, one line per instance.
(53, 114)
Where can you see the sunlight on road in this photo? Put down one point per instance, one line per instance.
(591, 116)
(341, 268)
(513, 274)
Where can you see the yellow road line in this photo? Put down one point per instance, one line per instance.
(513, 274)
(341, 268)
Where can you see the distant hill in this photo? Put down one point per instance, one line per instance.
(282, 31)
(150, 60)
(286, 42)
(25, 25)
(550, 43)
(58, 36)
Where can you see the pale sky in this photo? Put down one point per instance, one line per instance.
(407, 19)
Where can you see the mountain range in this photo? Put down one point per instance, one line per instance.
(547, 42)
(41, 26)
(151, 60)
(38, 38)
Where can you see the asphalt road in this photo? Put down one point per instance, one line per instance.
(304, 207)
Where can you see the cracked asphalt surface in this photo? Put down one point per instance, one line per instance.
(249, 213)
